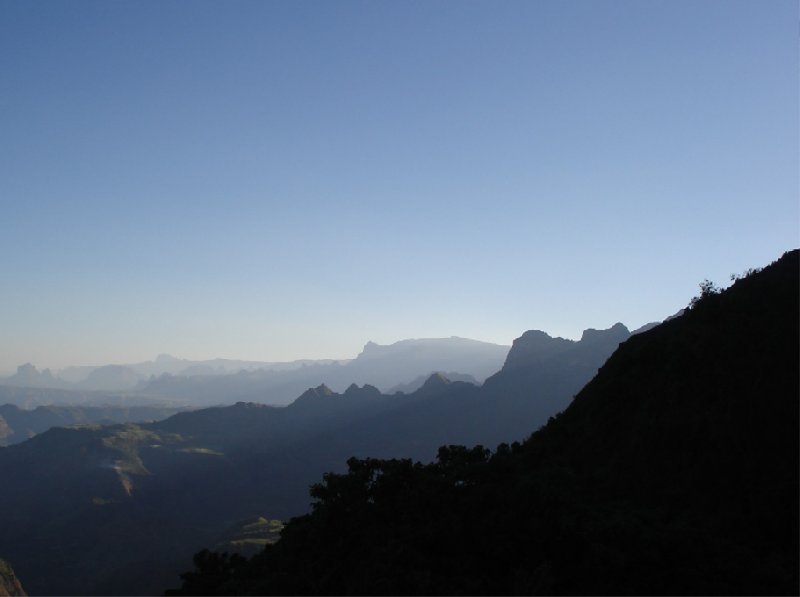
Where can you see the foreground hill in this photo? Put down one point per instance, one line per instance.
(89, 509)
(674, 471)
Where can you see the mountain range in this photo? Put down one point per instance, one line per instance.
(123, 377)
(675, 471)
(89, 508)
(219, 381)
(383, 366)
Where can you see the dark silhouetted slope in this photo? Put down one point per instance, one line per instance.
(674, 471)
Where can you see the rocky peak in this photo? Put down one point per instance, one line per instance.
(321, 392)
(371, 350)
(434, 382)
(27, 369)
(165, 358)
(616, 333)
(28, 374)
(534, 346)
(368, 391)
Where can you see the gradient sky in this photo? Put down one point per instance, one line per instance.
(275, 180)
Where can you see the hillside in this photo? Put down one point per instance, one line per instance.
(674, 471)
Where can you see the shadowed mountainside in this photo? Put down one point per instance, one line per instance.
(674, 471)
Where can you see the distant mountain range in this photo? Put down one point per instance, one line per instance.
(219, 381)
(125, 498)
(120, 378)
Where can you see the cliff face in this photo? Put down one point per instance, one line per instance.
(9, 583)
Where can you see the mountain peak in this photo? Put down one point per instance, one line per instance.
(323, 390)
(165, 358)
(435, 381)
(616, 331)
(370, 347)
(321, 393)
(28, 374)
(367, 391)
(533, 346)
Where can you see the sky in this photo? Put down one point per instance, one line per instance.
(273, 180)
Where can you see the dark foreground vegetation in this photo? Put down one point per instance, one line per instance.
(675, 471)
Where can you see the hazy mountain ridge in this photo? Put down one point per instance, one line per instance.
(675, 471)
(219, 381)
(31, 397)
(382, 366)
(123, 377)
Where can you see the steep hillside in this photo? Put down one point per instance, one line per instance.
(675, 471)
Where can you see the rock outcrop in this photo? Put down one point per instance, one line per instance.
(9, 583)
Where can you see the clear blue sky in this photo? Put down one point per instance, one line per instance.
(274, 180)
